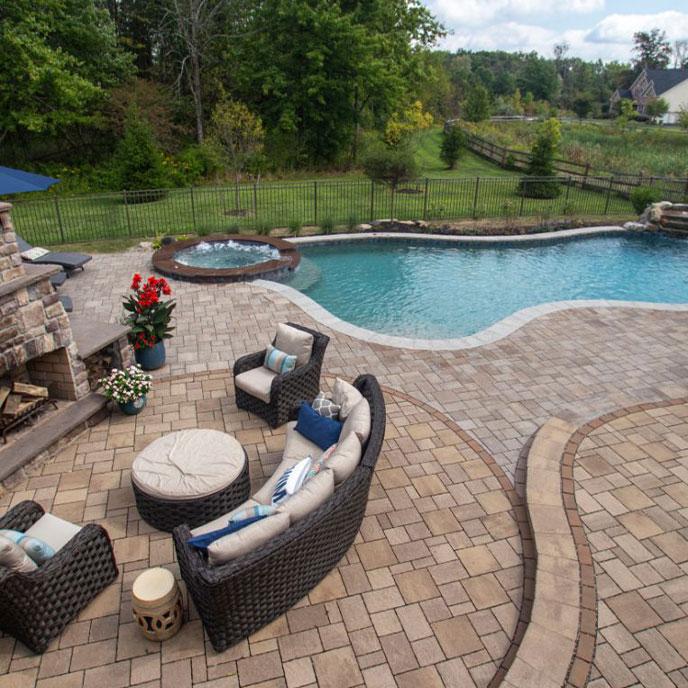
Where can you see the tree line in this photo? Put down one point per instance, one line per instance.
(172, 91)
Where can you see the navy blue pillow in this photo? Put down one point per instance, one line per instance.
(202, 541)
(320, 430)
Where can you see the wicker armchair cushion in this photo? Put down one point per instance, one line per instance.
(345, 458)
(257, 382)
(221, 521)
(247, 539)
(264, 495)
(14, 558)
(295, 342)
(309, 497)
(358, 421)
(346, 396)
(188, 464)
(54, 531)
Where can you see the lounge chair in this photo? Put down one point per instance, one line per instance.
(271, 396)
(35, 607)
(68, 261)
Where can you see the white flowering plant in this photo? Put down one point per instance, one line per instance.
(125, 385)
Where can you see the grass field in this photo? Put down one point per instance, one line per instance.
(476, 189)
(640, 149)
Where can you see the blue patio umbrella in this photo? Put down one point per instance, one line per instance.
(17, 181)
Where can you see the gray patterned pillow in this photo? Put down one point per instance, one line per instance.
(325, 407)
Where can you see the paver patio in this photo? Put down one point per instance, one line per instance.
(431, 593)
(631, 481)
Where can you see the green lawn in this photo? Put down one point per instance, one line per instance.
(475, 189)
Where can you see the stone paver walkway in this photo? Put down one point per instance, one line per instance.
(573, 364)
(428, 596)
(631, 487)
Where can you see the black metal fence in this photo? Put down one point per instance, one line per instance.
(56, 219)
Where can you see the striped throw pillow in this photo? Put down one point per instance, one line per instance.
(291, 480)
(278, 361)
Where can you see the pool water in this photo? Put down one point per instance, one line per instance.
(438, 290)
(226, 254)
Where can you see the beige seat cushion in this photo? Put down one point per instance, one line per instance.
(358, 421)
(309, 496)
(345, 458)
(247, 539)
(264, 495)
(346, 396)
(223, 520)
(188, 464)
(53, 530)
(295, 343)
(256, 382)
(297, 447)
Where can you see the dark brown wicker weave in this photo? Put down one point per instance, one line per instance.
(168, 514)
(238, 598)
(287, 390)
(35, 607)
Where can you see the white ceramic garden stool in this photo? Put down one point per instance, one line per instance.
(157, 604)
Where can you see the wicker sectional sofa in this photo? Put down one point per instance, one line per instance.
(237, 598)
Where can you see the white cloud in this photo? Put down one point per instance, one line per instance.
(619, 28)
(611, 38)
(477, 12)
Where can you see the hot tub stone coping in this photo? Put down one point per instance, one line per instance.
(165, 264)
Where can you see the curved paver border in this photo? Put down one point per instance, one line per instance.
(544, 656)
(491, 334)
(558, 647)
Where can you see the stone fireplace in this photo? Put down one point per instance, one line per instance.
(36, 340)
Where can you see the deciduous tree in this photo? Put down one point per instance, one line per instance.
(651, 49)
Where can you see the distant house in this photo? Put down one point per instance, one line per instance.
(669, 84)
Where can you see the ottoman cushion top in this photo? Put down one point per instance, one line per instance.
(188, 464)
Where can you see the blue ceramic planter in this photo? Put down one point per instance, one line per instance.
(131, 408)
(152, 357)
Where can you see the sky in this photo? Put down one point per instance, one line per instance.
(594, 29)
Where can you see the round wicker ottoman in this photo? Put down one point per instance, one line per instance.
(190, 476)
(157, 604)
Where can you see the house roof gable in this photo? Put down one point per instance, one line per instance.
(665, 79)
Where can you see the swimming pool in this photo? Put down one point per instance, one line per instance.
(440, 290)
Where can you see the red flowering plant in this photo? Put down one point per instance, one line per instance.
(148, 316)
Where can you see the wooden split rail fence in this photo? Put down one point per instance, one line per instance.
(580, 174)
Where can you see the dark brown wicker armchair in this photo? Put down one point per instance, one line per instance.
(238, 598)
(35, 607)
(287, 390)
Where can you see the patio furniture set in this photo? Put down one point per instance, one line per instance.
(245, 559)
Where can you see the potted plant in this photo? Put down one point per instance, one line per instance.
(127, 388)
(149, 318)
